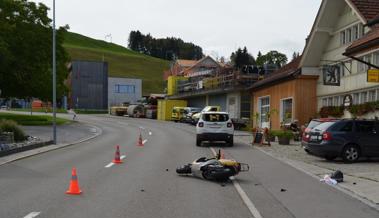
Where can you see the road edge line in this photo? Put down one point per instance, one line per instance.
(246, 200)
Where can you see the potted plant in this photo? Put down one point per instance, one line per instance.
(284, 136)
(271, 135)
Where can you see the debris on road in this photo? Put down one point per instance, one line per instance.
(283, 190)
(328, 180)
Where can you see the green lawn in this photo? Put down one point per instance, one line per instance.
(34, 120)
(122, 62)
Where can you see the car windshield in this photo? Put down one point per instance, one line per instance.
(215, 117)
(323, 126)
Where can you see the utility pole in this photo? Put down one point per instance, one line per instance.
(54, 81)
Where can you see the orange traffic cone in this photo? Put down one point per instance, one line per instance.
(74, 184)
(140, 143)
(117, 159)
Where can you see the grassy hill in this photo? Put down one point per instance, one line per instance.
(122, 62)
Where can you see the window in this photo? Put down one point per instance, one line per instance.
(376, 58)
(330, 101)
(286, 110)
(355, 33)
(265, 108)
(363, 98)
(348, 35)
(343, 38)
(324, 102)
(356, 98)
(129, 89)
(336, 100)
(365, 126)
(362, 68)
(348, 127)
(372, 95)
(215, 117)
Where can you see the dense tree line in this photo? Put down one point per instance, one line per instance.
(169, 48)
(26, 51)
(242, 57)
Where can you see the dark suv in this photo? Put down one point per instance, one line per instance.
(349, 139)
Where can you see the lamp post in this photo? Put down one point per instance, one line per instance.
(54, 81)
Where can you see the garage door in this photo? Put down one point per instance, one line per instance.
(196, 102)
(218, 100)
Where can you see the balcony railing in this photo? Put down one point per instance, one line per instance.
(233, 80)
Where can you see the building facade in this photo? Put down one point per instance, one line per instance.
(88, 81)
(124, 90)
(338, 25)
(208, 82)
(284, 96)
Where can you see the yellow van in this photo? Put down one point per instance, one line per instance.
(178, 114)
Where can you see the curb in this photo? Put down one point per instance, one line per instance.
(53, 147)
(292, 163)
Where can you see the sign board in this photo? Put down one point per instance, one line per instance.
(347, 100)
(331, 75)
(373, 76)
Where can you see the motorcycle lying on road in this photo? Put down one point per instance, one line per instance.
(215, 169)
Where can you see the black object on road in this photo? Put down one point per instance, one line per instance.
(337, 175)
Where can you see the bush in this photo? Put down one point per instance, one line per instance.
(283, 134)
(11, 126)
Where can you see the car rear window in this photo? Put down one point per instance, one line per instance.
(324, 126)
(313, 123)
(215, 117)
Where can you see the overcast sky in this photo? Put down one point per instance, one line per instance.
(218, 26)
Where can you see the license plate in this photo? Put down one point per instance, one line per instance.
(315, 137)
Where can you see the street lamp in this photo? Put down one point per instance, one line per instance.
(54, 81)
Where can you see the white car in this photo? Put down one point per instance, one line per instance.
(214, 126)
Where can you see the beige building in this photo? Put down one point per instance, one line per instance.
(338, 25)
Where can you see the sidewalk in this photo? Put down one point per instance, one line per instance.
(360, 179)
(67, 135)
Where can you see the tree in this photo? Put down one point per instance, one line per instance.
(168, 48)
(272, 57)
(26, 51)
(295, 55)
(242, 58)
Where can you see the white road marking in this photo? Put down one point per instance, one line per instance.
(144, 141)
(249, 204)
(32, 214)
(141, 127)
(150, 133)
(122, 157)
(109, 165)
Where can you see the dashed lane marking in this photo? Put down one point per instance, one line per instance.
(150, 133)
(249, 204)
(111, 163)
(144, 141)
(32, 215)
(141, 127)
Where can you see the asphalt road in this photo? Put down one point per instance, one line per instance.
(146, 184)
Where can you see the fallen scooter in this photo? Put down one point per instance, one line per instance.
(215, 169)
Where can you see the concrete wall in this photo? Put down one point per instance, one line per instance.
(117, 98)
(89, 85)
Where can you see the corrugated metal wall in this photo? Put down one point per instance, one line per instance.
(199, 102)
(218, 100)
(89, 85)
